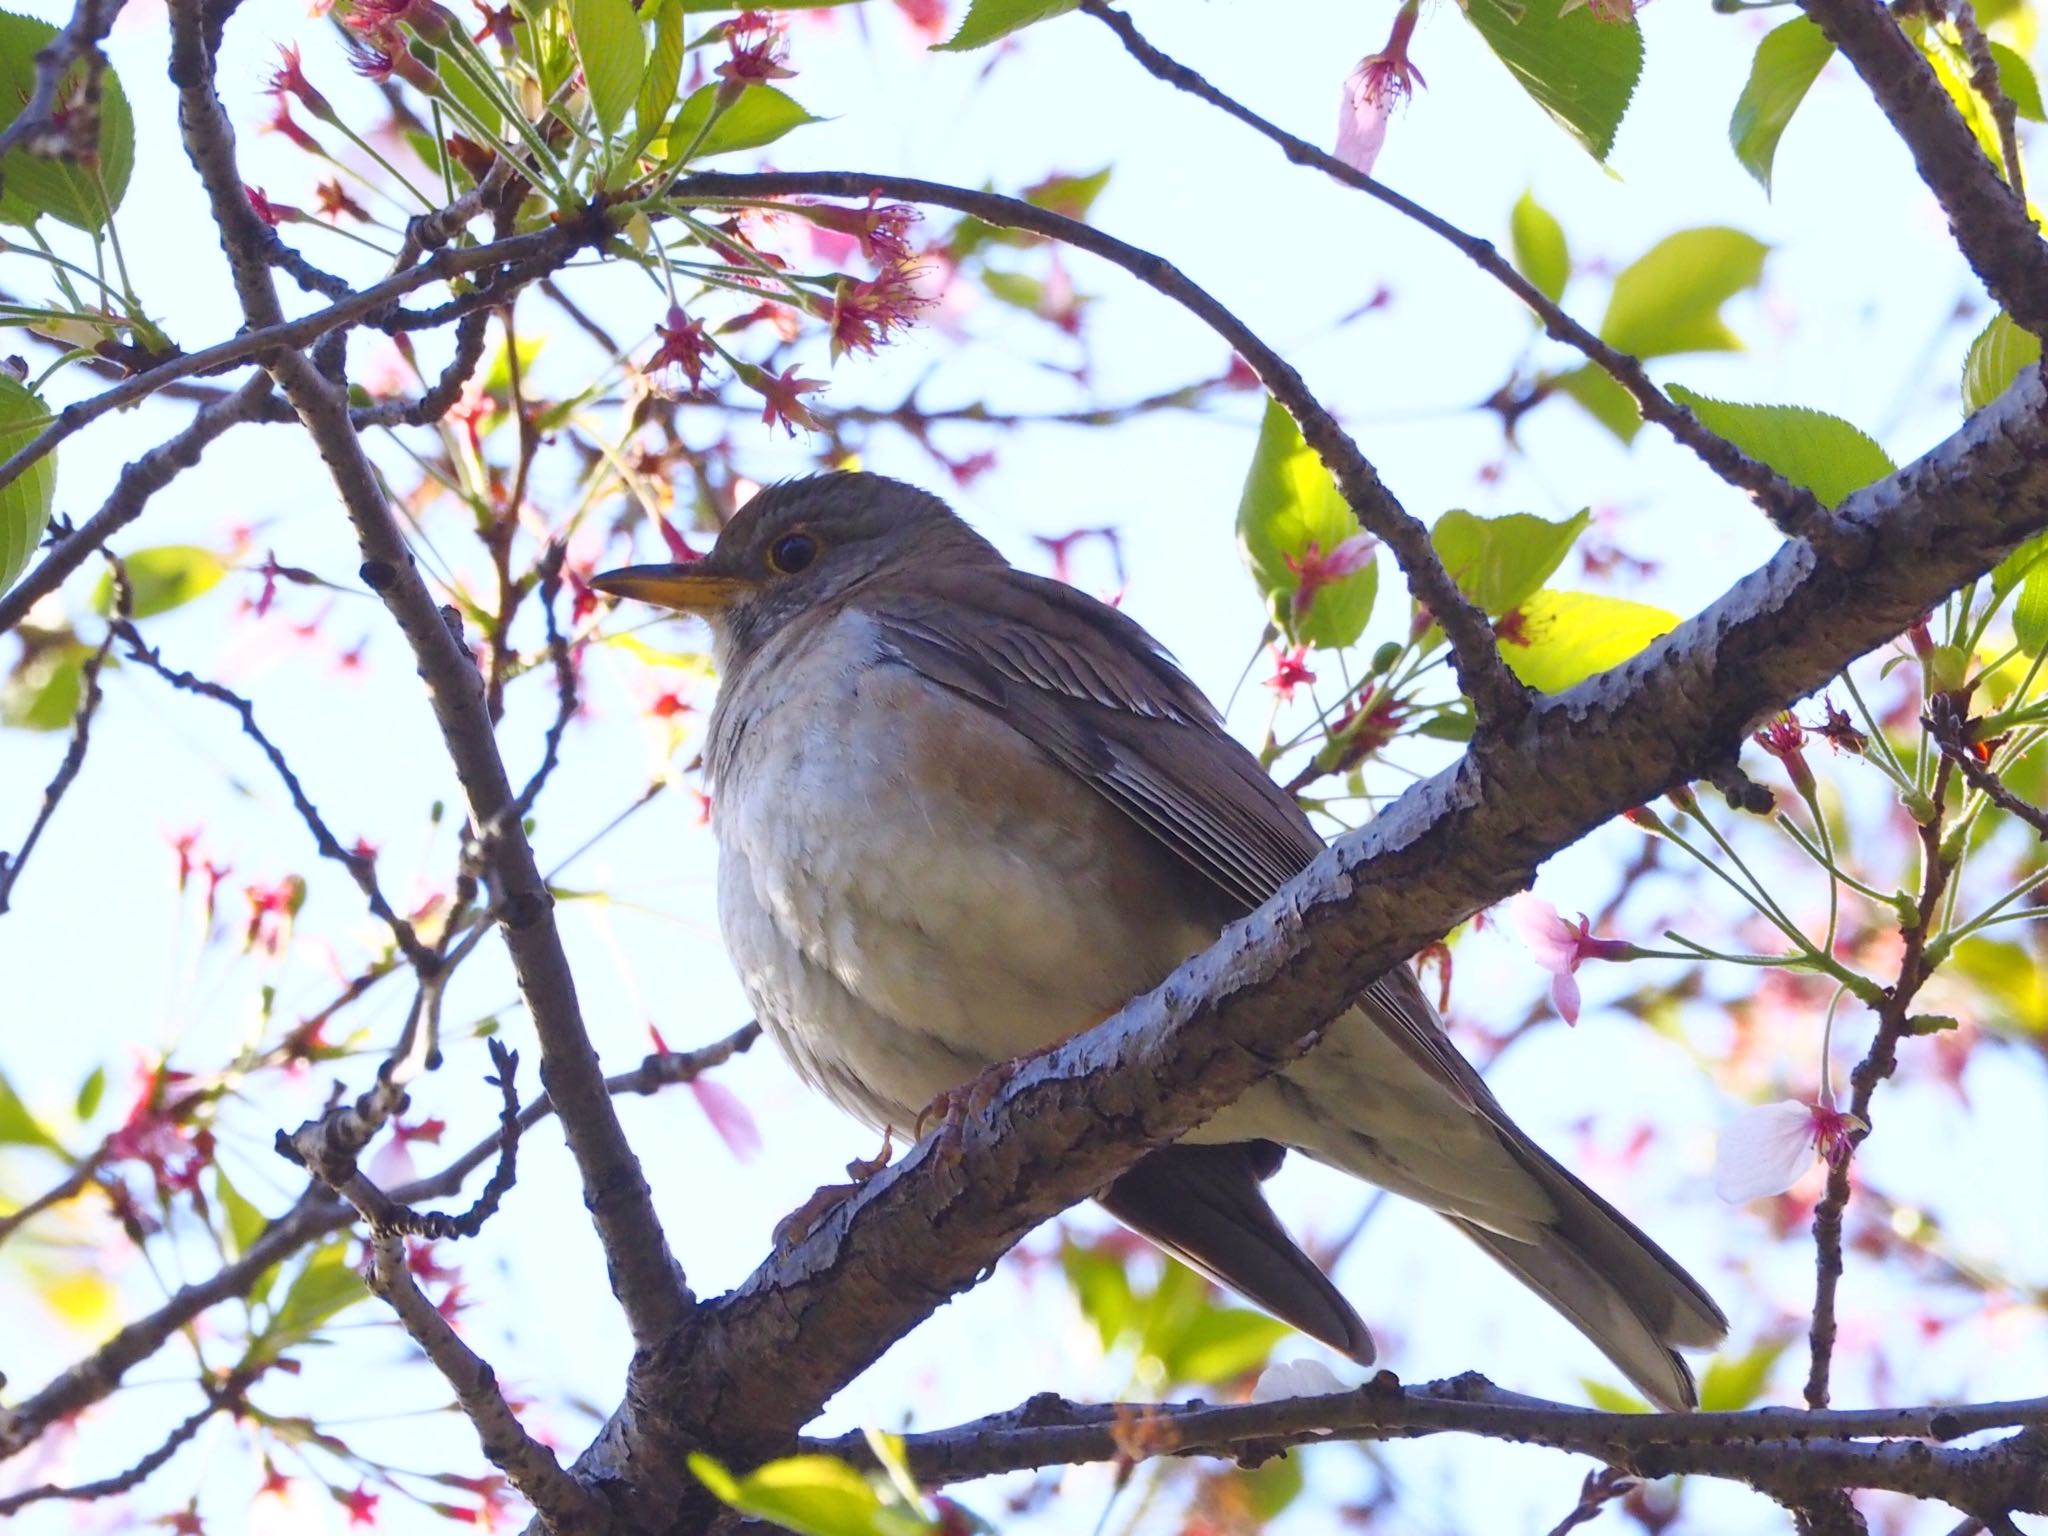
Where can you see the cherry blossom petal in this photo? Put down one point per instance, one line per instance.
(1550, 939)
(1564, 996)
(728, 1117)
(1362, 123)
(1295, 1378)
(1763, 1151)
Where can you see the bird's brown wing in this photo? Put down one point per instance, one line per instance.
(1090, 688)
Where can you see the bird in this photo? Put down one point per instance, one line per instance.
(964, 812)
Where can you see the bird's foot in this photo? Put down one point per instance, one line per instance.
(861, 1169)
(949, 1111)
(800, 1223)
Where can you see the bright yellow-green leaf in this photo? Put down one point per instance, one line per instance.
(2012, 988)
(74, 193)
(1823, 453)
(1669, 299)
(664, 69)
(1499, 562)
(1788, 61)
(1221, 1344)
(698, 663)
(987, 21)
(761, 116)
(162, 578)
(244, 1222)
(84, 1299)
(1538, 243)
(44, 692)
(809, 1495)
(1611, 1399)
(1289, 504)
(2009, 571)
(613, 52)
(1995, 359)
(1102, 1287)
(24, 501)
(1731, 1382)
(18, 1127)
(2030, 611)
(1557, 639)
(2017, 82)
(1604, 400)
(90, 1093)
(324, 1287)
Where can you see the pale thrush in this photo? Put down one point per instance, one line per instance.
(964, 812)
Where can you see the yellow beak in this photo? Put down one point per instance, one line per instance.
(685, 588)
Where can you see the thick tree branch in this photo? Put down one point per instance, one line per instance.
(1496, 693)
(746, 1371)
(644, 1274)
(1792, 509)
(1988, 218)
(1876, 1448)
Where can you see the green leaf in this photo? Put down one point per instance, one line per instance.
(1580, 69)
(1499, 562)
(761, 116)
(90, 1092)
(1731, 1382)
(1823, 453)
(1557, 639)
(664, 70)
(2012, 990)
(24, 501)
(1271, 1486)
(2007, 573)
(1787, 62)
(1290, 502)
(2016, 80)
(66, 190)
(1611, 1399)
(810, 1495)
(1072, 196)
(613, 52)
(19, 1128)
(324, 1287)
(245, 1222)
(1221, 1344)
(1537, 242)
(1994, 360)
(1605, 400)
(160, 579)
(44, 691)
(1669, 300)
(2030, 611)
(988, 20)
(1102, 1287)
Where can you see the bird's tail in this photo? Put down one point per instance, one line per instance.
(1599, 1269)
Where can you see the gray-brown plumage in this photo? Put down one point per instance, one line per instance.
(964, 812)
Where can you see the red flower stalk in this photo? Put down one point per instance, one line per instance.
(290, 79)
(282, 121)
(271, 213)
(1783, 739)
(334, 201)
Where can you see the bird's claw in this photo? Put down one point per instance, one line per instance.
(800, 1223)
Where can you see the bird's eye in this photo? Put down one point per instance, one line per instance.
(792, 552)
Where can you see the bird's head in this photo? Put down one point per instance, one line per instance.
(797, 545)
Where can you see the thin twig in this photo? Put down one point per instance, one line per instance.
(1498, 696)
(1946, 728)
(361, 868)
(1984, 80)
(67, 770)
(121, 1482)
(1792, 509)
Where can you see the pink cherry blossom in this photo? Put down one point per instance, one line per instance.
(1381, 81)
(728, 1117)
(1764, 1150)
(1313, 570)
(1560, 947)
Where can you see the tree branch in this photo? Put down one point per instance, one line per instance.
(1988, 218)
(747, 1370)
(60, 782)
(644, 1274)
(1497, 695)
(1792, 509)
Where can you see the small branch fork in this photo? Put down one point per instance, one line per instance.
(34, 129)
(1792, 509)
(1496, 693)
